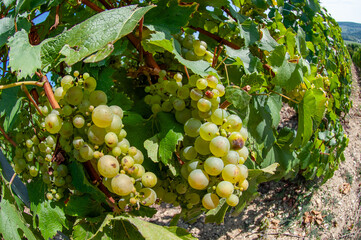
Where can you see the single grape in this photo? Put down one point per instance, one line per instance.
(96, 134)
(147, 196)
(243, 186)
(178, 77)
(122, 184)
(224, 189)
(232, 200)
(78, 142)
(74, 95)
(59, 181)
(213, 166)
(183, 116)
(181, 188)
(59, 93)
(179, 104)
(208, 131)
(218, 116)
(108, 166)
(66, 130)
(167, 106)
(90, 84)
(204, 105)
(98, 97)
(202, 146)
(210, 201)
(231, 173)
(111, 139)
(86, 152)
(33, 171)
(198, 179)
(212, 81)
(219, 146)
(243, 153)
(236, 140)
(232, 157)
(244, 133)
(201, 83)
(233, 123)
(244, 172)
(149, 179)
(117, 111)
(127, 161)
(183, 92)
(67, 82)
(194, 164)
(116, 125)
(189, 153)
(102, 116)
(137, 171)
(124, 145)
(196, 94)
(192, 126)
(192, 198)
(221, 89)
(53, 123)
(138, 157)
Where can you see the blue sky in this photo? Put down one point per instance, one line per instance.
(343, 10)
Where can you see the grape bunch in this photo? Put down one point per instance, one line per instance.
(193, 49)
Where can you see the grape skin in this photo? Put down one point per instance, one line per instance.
(122, 184)
(210, 201)
(198, 179)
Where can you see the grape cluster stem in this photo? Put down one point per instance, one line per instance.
(7, 137)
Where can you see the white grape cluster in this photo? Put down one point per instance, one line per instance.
(193, 49)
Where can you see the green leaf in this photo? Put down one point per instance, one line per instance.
(267, 42)
(51, 218)
(80, 181)
(25, 64)
(152, 145)
(83, 206)
(167, 145)
(92, 35)
(255, 80)
(10, 106)
(277, 56)
(12, 224)
(249, 32)
(238, 97)
(7, 29)
(301, 42)
(122, 100)
(152, 231)
(105, 80)
(244, 57)
(169, 15)
(101, 54)
(217, 215)
(289, 75)
(282, 156)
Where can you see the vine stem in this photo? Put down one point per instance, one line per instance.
(7, 137)
(31, 99)
(49, 92)
(36, 83)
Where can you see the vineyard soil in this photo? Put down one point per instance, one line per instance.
(297, 209)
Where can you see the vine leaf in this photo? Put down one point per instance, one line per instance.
(249, 32)
(10, 106)
(101, 54)
(25, 64)
(238, 97)
(83, 206)
(152, 145)
(7, 29)
(243, 57)
(12, 224)
(267, 42)
(92, 35)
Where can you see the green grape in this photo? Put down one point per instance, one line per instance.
(224, 189)
(218, 116)
(244, 172)
(183, 116)
(205, 115)
(172, 87)
(189, 153)
(102, 116)
(147, 196)
(122, 134)
(116, 125)
(204, 105)
(122, 184)
(86, 152)
(200, 50)
(208, 131)
(232, 200)
(29, 143)
(49, 196)
(236, 140)
(208, 56)
(232, 157)
(233, 123)
(74, 95)
(117, 111)
(84, 106)
(219, 146)
(231, 173)
(53, 123)
(210, 201)
(156, 108)
(33, 171)
(66, 130)
(67, 110)
(181, 188)
(244, 133)
(156, 99)
(67, 82)
(243, 186)
(59, 181)
(193, 80)
(108, 166)
(192, 198)
(78, 142)
(59, 93)
(149, 179)
(127, 161)
(90, 84)
(160, 192)
(147, 99)
(98, 97)
(46, 178)
(179, 104)
(178, 77)
(62, 170)
(194, 164)
(188, 41)
(201, 83)
(213, 166)
(116, 151)
(192, 126)
(111, 139)
(50, 141)
(198, 179)
(215, 93)
(196, 94)
(96, 134)
(243, 153)
(183, 92)
(167, 106)
(138, 157)
(212, 81)
(221, 89)
(202, 146)
(184, 171)
(124, 145)
(138, 171)
(162, 73)
(132, 151)
(122, 203)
